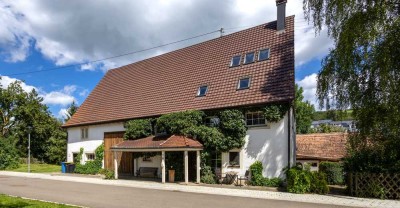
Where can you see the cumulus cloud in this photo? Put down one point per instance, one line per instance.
(74, 32)
(5, 81)
(84, 93)
(309, 85)
(62, 113)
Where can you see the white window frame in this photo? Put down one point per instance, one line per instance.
(259, 52)
(90, 153)
(84, 132)
(252, 113)
(240, 60)
(198, 91)
(229, 159)
(248, 86)
(254, 58)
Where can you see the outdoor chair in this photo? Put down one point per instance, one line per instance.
(245, 178)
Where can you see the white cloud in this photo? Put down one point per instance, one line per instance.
(68, 33)
(62, 113)
(309, 85)
(69, 89)
(5, 81)
(57, 98)
(84, 93)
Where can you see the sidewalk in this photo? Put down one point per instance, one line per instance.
(261, 194)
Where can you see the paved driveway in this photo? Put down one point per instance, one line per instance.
(93, 195)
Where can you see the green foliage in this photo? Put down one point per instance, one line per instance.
(71, 110)
(275, 112)
(233, 127)
(8, 153)
(176, 123)
(108, 174)
(333, 171)
(90, 167)
(210, 137)
(335, 115)
(304, 181)
(138, 128)
(304, 112)
(318, 185)
(257, 178)
(20, 109)
(362, 72)
(174, 161)
(207, 176)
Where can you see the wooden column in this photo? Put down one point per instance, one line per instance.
(163, 166)
(198, 166)
(186, 167)
(116, 165)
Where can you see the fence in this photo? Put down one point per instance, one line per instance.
(376, 185)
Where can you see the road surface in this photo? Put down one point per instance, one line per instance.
(92, 195)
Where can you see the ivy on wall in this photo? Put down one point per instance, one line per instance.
(137, 128)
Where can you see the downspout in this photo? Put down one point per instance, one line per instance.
(289, 119)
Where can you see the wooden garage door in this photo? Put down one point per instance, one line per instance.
(125, 159)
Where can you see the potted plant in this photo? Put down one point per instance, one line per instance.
(171, 174)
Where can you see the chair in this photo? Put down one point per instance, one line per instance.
(218, 175)
(246, 177)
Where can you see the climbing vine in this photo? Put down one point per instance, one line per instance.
(138, 128)
(276, 112)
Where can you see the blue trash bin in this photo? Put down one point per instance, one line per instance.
(63, 167)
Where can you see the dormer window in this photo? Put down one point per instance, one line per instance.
(235, 61)
(202, 90)
(243, 83)
(263, 54)
(249, 58)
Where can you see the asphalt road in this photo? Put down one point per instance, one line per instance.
(92, 195)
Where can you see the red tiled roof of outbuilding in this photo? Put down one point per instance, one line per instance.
(160, 142)
(169, 82)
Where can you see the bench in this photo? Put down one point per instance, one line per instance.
(147, 172)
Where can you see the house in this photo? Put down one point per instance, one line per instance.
(348, 126)
(249, 68)
(316, 148)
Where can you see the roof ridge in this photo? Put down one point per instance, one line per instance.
(186, 140)
(166, 140)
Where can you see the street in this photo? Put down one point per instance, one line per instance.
(92, 195)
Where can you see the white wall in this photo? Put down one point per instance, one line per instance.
(155, 163)
(95, 138)
(268, 144)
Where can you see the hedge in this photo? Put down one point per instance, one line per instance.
(333, 171)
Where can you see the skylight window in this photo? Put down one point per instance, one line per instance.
(235, 61)
(202, 90)
(244, 83)
(249, 58)
(263, 54)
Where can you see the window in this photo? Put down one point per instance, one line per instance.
(89, 156)
(263, 54)
(235, 61)
(255, 118)
(84, 133)
(244, 83)
(249, 58)
(212, 121)
(234, 159)
(202, 91)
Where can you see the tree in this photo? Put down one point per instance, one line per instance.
(362, 72)
(304, 112)
(71, 110)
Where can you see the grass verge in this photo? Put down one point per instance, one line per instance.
(38, 168)
(10, 201)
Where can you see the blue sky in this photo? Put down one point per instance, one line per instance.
(40, 35)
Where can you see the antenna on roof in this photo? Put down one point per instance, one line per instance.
(221, 32)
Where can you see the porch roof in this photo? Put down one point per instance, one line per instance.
(159, 143)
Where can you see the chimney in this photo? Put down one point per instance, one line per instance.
(281, 15)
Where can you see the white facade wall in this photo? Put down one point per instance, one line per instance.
(268, 144)
(95, 138)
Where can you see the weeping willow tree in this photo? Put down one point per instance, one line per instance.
(362, 71)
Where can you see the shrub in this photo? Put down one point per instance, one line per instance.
(319, 185)
(108, 174)
(9, 157)
(304, 181)
(207, 175)
(333, 171)
(90, 167)
(257, 178)
(137, 128)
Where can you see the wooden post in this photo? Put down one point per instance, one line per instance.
(198, 166)
(135, 164)
(115, 165)
(186, 167)
(163, 166)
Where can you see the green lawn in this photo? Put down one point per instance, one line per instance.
(38, 168)
(9, 201)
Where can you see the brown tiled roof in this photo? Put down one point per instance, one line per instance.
(160, 142)
(169, 82)
(330, 147)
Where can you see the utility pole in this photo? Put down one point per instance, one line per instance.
(29, 148)
(221, 32)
